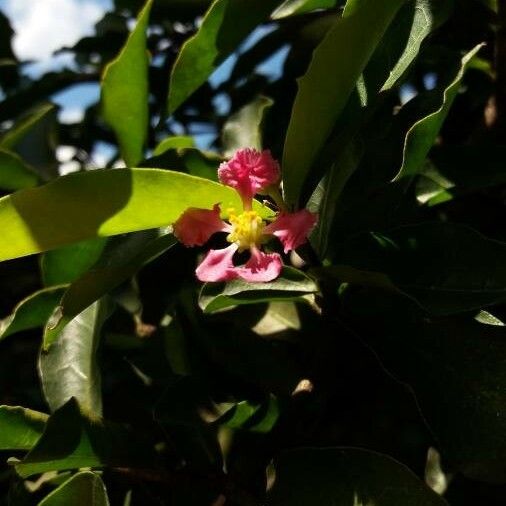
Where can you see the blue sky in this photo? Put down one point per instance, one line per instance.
(44, 26)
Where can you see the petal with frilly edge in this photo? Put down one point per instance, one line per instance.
(292, 229)
(195, 226)
(261, 267)
(217, 265)
(249, 171)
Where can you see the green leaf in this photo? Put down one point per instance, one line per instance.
(447, 268)
(15, 174)
(65, 265)
(291, 284)
(243, 129)
(422, 134)
(69, 368)
(32, 312)
(291, 7)
(252, 417)
(346, 477)
(116, 201)
(22, 128)
(121, 260)
(455, 367)
(72, 441)
(174, 142)
(82, 489)
(422, 17)
(33, 139)
(323, 94)
(125, 92)
(20, 428)
(224, 26)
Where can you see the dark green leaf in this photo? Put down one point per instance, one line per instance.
(323, 94)
(447, 268)
(456, 369)
(20, 428)
(14, 173)
(224, 26)
(243, 129)
(120, 261)
(422, 134)
(116, 201)
(82, 489)
(72, 441)
(346, 477)
(125, 92)
(291, 284)
(32, 312)
(65, 265)
(69, 368)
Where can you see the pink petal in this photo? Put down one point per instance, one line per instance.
(195, 226)
(217, 265)
(292, 229)
(261, 267)
(249, 172)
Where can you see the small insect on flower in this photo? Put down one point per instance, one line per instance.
(249, 172)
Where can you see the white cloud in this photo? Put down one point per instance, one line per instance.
(42, 26)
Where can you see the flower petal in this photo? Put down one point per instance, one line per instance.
(292, 229)
(249, 171)
(195, 226)
(217, 265)
(261, 267)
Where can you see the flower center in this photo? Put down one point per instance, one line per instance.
(247, 229)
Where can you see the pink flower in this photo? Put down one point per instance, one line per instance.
(249, 172)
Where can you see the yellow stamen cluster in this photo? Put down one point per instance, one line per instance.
(247, 229)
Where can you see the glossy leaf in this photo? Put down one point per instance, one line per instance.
(120, 261)
(65, 265)
(32, 312)
(224, 26)
(323, 94)
(72, 441)
(116, 201)
(456, 369)
(82, 489)
(125, 92)
(291, 284)
(292, 7)
(70, 368)
(253, 417)
(346, 477)
(174, 142)
(447, 268)
(20, 428)
(422, 134)
(15, 174)
(243, 129)
(422, 17)
(21, 129)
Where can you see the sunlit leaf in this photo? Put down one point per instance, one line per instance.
(32, 312)
(224, 26)
(20, 428)
(125, 92)
(116, 201)
(323, 94)
(70, 367)
(82, 489)
(291, 284)
(422, 134)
